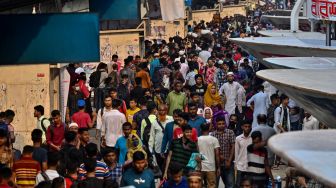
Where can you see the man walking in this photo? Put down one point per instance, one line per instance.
(176, 99)
(156, 133)
(226, 138)
(242, 141)
(230, 90)
(42, 122)
(110, 121)
(261, 103)
(209, 147)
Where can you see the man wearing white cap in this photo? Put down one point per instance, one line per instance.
(220, 74)
(230, 90)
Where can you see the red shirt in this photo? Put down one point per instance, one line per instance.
(82, 119)
(58, 135)
(5, 186)
(26, 170)
(178, 133)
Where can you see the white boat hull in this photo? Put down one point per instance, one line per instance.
(264, 47)
(300, 63)
(313, 89)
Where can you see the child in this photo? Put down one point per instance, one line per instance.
(134, 144)
(176, 180)
(111, 160)
(5, 177)
(246, 183)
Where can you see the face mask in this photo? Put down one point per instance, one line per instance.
(77, 88)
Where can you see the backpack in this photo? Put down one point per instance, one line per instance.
(46, 177)
(146, 133)
(44, 128)
(95, 79)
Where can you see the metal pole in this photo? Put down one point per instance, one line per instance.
(334, 31)
(328, 39)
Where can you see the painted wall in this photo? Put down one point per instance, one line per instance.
(207, 15)
(21, 88)
(123, 43)
(158, 29)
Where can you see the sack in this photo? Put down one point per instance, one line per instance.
(166, 82)
(95, 79)
(146, 133)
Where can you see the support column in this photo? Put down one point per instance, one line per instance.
(328, 34)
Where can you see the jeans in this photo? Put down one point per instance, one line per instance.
(239, 178)
(295, 126)
(227, 175)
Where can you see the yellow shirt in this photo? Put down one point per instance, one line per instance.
(130, 114)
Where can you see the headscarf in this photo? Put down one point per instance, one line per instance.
(212, 99)
(130, 142)
(211, 113)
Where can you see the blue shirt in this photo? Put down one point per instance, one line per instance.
(196, 123)
(172, 184)
(155, 64)
(138, 180)
(122, 146)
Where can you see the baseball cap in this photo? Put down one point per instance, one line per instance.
(80, 103)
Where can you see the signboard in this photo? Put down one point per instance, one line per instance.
(321, 10)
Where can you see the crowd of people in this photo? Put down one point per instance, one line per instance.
(189, 113)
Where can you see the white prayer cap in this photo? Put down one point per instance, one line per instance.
(79, 70)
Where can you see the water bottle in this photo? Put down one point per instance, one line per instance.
(277, 182)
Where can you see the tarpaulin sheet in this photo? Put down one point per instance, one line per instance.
(49, 38)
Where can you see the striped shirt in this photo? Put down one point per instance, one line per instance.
(26, 170)
(256, 160)
(102, 171)
(181, 154)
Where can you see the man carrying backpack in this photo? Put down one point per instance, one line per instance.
(147, 122)
(42, 122)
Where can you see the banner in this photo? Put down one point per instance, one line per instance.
(172, 9)
(64, 90)
(321, 10)
(49, 38)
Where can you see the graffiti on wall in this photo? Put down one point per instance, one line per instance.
(158, 31)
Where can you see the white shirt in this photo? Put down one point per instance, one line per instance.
(190, 78)
(110, 125)
(156, 135)
(46, 124)
(241, 152)
(310, 123)
(52, 174)
(184, 69)
(207, 145)
(261, 103)
(204, 55)
(231, 94)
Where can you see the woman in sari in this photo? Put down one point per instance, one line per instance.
(212, 97)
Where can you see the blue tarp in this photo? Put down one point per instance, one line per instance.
(116, 9)
(49, 38)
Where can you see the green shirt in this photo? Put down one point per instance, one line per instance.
(176, 101)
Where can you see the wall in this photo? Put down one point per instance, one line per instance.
(21, 88)
(123, 43)
(207, 15)
(158, 29)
